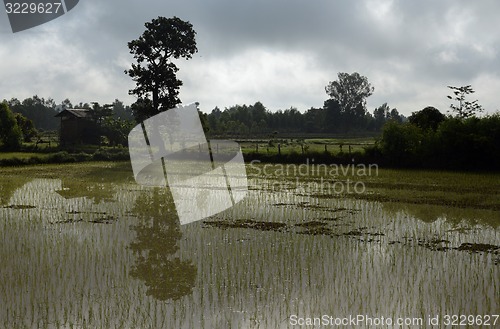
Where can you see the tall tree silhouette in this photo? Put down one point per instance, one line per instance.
(157, 86)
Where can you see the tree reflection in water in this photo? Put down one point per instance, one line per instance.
(156, 245)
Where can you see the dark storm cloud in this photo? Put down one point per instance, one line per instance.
(280, 52)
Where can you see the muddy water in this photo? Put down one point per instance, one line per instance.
(106, 255)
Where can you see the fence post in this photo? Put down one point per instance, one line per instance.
(279, 149)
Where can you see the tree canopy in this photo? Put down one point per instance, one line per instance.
(350, 91)
(252, 120)
(456, 143)
(157, 86)
(464, 109)
(428, 118)
(38, 109)
(10, 133)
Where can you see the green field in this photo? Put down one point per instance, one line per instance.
(264, 147)
(446, 188)
(84, 246)
(21, 155)
(456, 189)
(301, 146)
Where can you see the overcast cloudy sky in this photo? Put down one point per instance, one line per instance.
(280, 52)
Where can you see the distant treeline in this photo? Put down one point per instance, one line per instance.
(33, 120)
(42, 111)
(426, 139)
(256, 120)
(238, 120)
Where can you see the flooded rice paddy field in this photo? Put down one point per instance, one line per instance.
(99, 251)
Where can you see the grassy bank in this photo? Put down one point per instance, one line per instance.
(88, 171)
(287, 147)
(30, 158)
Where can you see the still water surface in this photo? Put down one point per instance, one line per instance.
(111, 255)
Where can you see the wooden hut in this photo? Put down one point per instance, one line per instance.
(77, 127)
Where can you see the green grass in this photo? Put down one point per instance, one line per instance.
(310, 146)
(455, 189)
(91, 179)
(44, 154)
(41, 146)
(64, 156)
(21, 155)
(86, 171)
(425, 187)
(345, 141)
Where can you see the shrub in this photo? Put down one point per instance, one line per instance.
(400, 143)
(466, 144)
(61, 157)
